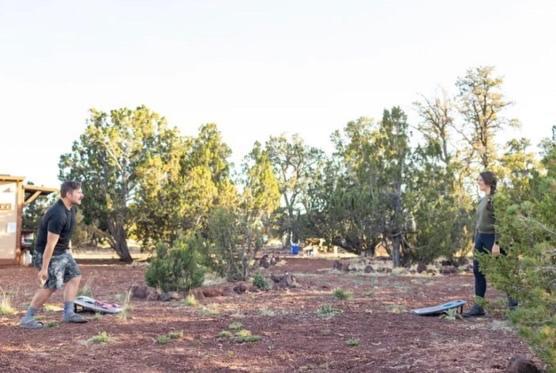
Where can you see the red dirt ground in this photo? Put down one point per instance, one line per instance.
(294, 336)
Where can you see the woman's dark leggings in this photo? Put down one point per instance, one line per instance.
(483, 244)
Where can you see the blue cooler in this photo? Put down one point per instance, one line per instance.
(294, 249)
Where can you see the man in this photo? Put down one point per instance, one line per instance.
(57, 268)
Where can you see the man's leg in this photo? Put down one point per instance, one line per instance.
(72, 278)
(40, 297)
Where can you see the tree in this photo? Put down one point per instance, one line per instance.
(440, 209)
(527, 227)
(481, 103)
(107, 159)
(236, 231)
(436, 121)
(344, 203)
(294, 165)
(180, 185)
(394, 153)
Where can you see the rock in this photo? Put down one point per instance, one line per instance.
(399, 271)
(228, 291)
(265, 261)
(421, 267)
(448, 270)
(520, 364)
(369, 269)
(240, 288)
(284, 281)
(139, 291)
(337, 265)
(198, 294)
(212, 292)
(174, 295)
(165, 297)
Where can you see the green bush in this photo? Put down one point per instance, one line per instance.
(260, 282)
(176, 268)
(527, 225)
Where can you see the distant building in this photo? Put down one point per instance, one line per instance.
(14, 195)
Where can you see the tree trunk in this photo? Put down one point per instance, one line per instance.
(118, 233)
(396, 244)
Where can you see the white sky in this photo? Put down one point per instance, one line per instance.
(256, 68)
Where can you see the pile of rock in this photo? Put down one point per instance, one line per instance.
(267, 260)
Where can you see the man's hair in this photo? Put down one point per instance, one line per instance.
(69, 186)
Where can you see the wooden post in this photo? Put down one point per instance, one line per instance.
(19, 201)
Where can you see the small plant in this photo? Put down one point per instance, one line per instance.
(451, 315)
(6, 308)
(190, 301)
(100, 338)
(126, 306)
(209, 310)
(167, 338)
(267, 312)
(235, 326)
(260, 282)
(353, 342)
(341, 294)
(87, 289)
(245, 336)
(52, 308)
(98, 316)
(225, 334)
(327, 311)
(52, 324)
(397, 308)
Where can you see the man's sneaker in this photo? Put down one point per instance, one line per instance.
(75, 319)
(475, 311)
(30, 323)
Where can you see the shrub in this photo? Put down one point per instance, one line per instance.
(260, 282)
(176, 268)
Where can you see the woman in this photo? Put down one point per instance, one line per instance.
(486, 239)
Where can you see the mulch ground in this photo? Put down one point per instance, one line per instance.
(371, 332)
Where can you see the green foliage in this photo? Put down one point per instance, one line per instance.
(480, 102)
(328, 311)
(108, 159)
(100, 338)
(235, 326)
(190, 301)
(341, 294)
(260, 282)
(451, 315)
(6, 308)
(167, 338)
(245, 336)
(178, 267)
(527, 226)
(294, 164)
(353, 342)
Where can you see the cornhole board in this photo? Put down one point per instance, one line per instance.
(88, 304)
(439, 309)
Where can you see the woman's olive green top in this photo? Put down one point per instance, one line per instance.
(485, 216)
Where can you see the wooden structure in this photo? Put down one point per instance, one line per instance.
(14, 195)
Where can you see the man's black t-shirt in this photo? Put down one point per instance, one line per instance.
(59, 220)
